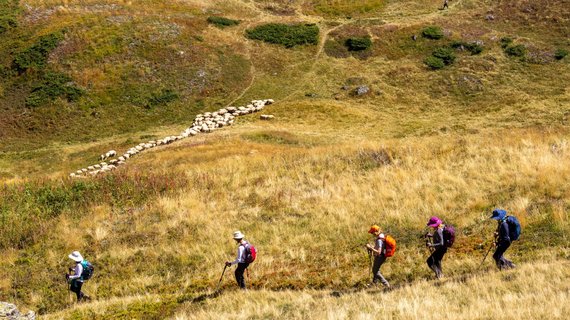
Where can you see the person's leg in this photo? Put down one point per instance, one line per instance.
(378, 261)
(240, 279)
(76, 288)
(498, 255)
(438, 257)
(431, 262)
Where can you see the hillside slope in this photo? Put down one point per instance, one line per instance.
(490, 129)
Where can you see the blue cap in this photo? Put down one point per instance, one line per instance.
(498, 214)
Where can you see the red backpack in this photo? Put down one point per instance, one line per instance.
(390, 245)
(250, 252)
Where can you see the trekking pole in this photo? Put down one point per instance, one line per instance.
(370, 262)
(220, 282)
(486, 254)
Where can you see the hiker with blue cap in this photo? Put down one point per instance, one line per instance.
(508, 230)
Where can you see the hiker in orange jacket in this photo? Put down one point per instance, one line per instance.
(379, 252)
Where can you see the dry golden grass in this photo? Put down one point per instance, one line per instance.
(305, 187)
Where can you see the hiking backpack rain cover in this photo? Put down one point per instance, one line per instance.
(250, 252)
(390, 246)
(448, 236)
(514, 227)
(88, 270)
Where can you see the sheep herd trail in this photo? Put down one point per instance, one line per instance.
(203, 123)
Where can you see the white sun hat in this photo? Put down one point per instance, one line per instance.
(238, 235)
(382, 236)
(76, 256)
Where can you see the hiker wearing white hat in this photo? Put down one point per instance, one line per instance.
(244, 249)
(76, 278)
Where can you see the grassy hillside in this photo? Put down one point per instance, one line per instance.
(490, 129)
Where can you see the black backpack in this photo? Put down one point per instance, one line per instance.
(88, 270)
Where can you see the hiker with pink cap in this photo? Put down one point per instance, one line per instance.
(437, 245)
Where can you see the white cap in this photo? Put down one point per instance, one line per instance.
(238, 235)
(76, 256)
(381, 236)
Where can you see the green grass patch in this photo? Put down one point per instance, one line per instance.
(358, 43)
(53, 85)
(346, 7)
(432, 32)
(440, 57)
(8, 15)
(285, 34)
(560, 54)
(273, 137)
(473, 47)
(518, 50)
(222, 22)
(35, 57)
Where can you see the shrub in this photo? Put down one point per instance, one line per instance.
(53, 85)
(432, 32)
(560, 54)
(36, 56)
(8, 11)
(505, 42)
(445, 54)
(472, 47)
(161, 98)
(358, 43)
(222, 22)
(516, 51)
(434, 63)
(286, 35)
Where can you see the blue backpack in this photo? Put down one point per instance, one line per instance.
(514, 227)
(88, 270)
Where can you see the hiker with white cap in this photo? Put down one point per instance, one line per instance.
(82, 271)
(379, 252)
(245, 255)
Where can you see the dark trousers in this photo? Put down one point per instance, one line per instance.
(76, 287)
(239, 274)
(378, 261)
(434, 261)
(500, 260)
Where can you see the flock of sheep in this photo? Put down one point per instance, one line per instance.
(206, 122)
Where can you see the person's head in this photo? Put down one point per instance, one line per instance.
(374, 229)
(498, 214)
(238, 236)
(434, 222)
(76, 256)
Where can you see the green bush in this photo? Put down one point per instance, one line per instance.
(53, 85)
(472, 47)
(560, 54)
(8, 11)
(434, 63)
(161, 98)
(432, 32)
(286, 35)
(445, 54)
(505, 42)
(36, 56)
(358, 43)
(518, 50)
(222, 22)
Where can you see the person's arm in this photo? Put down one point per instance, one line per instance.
(504, 231)
(241, 251)
(77, 272)
(377, 249)
(440, 239)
